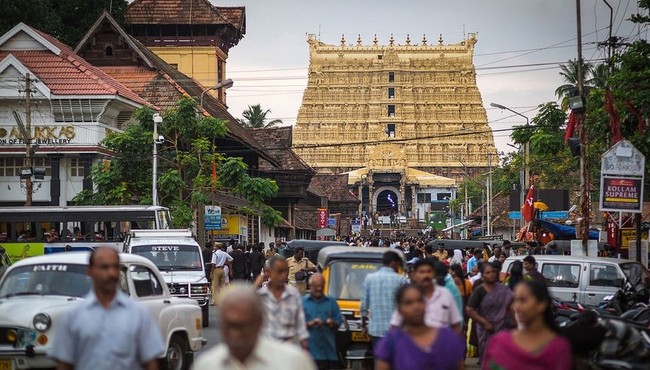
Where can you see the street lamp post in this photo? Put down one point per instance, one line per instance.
(157, 119)
(225, 84)
(526, 171)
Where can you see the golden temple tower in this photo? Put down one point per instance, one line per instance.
(409, 109)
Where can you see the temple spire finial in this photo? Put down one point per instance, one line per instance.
(391, 41)
(440, 40)
(375, 41)
(408, 39)
(342, 40)
(359, 40)
(424, 39)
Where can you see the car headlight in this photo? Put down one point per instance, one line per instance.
(42, 322)
(183, 290)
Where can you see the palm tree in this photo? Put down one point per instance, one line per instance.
(255, 117)
(600, 75)
(569, 72)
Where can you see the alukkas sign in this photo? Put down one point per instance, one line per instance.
(41, 135)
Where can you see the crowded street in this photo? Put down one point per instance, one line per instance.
(324, 185)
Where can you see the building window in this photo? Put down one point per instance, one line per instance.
(380, 57)
(390, 130)
(76, 167)
(10, 167)
(108, 51)
(391, 76)
(391, 93)
(443, 196)
(424, 198)
(391, 110)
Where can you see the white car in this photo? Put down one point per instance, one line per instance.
(35, 292)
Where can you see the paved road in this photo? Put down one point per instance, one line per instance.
(213, 336)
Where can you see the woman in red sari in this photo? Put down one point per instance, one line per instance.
(535, 346)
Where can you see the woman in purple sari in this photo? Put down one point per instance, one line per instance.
(414, 345)
(490, 306)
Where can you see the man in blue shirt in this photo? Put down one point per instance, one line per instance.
(108, 330)
(474, 260)
(323, 319)
(378, 297)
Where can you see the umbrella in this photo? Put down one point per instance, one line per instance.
(541, 206)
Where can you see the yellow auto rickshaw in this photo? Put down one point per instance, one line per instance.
(344, 270)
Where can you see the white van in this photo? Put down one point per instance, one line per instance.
(587, 280)
(178, 257)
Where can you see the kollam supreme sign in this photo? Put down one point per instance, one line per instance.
(621, 179)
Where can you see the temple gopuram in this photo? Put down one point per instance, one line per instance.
(406, 122)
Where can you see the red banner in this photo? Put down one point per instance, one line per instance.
(322, 218)
(528, 210)
(322, 221)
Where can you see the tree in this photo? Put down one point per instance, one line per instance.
(255, 117)
(66, 20)
(569, 72)
(186, 159)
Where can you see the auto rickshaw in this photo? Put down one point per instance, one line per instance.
(344, 270)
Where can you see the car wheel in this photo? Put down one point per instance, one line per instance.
(177, 356)
(205, 311)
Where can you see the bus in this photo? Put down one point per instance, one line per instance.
(33, 231)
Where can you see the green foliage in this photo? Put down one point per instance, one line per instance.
(186, 158)
(66, 20)
(255, 117)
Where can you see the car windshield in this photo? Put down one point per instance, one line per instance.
(46, 279)
(346, 278)
(168, 257)
(636, 273)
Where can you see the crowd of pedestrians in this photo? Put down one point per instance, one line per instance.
(433, 315)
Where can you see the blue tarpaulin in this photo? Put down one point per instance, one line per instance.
(564, 231)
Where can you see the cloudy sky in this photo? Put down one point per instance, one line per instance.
(520, 44)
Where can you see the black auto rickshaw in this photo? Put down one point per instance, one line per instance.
(344, 270)
(311, 247)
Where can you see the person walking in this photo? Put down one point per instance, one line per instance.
(284, 315)
(378, 296)
(489, 306)
(531, 269)
(238, 262)
(241, 315)
(441, 309)
(323, 318)
(516, 275)
(299, 266)
(535, 345)
(415, 345)
(220, 259)
(257, 260)
(107, 330)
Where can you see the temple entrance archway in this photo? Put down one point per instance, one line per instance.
(386, 200)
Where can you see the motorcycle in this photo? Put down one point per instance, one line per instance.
(606, 343)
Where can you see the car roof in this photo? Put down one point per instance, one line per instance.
(376, 253)
(313, 244)
(550, 257)
(80, 258)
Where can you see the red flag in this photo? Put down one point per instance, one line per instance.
(614, 120)
(528, 209)
(570, 127)
(637, 114)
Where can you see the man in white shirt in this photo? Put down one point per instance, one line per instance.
(441, 309)
(241, 314)
(220, 259)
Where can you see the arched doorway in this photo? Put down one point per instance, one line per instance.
(387, 201)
